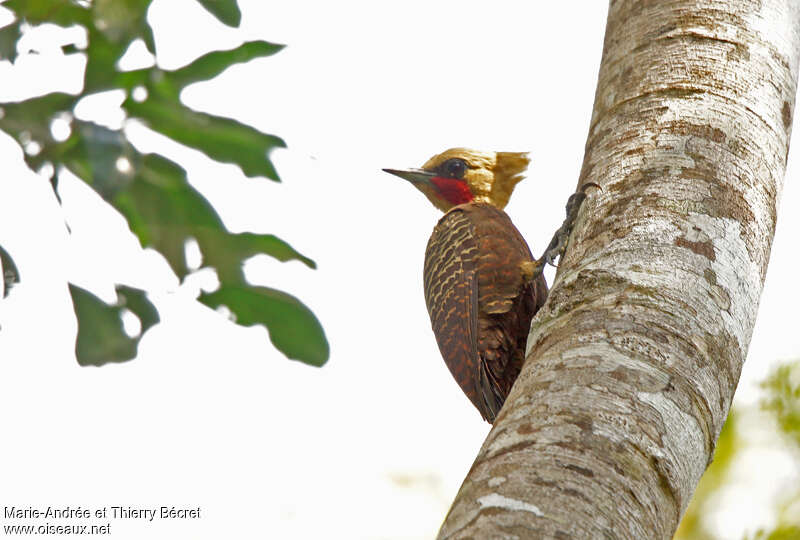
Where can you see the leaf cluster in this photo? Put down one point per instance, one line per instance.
(152, 192)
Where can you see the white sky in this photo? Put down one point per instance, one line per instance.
(376, 443)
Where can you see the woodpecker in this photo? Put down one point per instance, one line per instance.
(479, 282)
(482, 285)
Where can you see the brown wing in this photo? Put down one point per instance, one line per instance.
(479, 303)
(506, 303)
(451, 295)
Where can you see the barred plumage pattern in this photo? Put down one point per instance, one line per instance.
(479, 303)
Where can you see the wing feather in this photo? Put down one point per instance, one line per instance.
(451, 295)
(479, 303)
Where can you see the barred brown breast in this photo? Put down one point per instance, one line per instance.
(479, 300)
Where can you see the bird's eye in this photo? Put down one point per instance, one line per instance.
(454, 168)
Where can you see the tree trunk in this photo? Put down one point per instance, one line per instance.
(633, 361)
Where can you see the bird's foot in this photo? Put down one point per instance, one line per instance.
(558, 245)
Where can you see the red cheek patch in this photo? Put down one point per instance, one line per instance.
(452, 190)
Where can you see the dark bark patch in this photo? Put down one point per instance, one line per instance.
(574, 493)
(682, 127)
(739, 52)
(726, 201)
(672, 492)
(490, 511)
(706, 249)
(721, 298)
(584, 423)
(786, 113)
(503, 469)
(580, 470)
(716, 21)
(640, 380)
(710, 276)
(510, 450)
(634, 152)
(724, 352)
(625, 78)
(525, 429)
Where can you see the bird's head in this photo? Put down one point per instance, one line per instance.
(459, 176)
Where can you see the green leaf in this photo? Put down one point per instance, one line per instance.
(123, 21)
(32, 117)
(169, 84)
(60, 12)
(783, 399)
(293, 328)
(102, 55)
(226, 252)
(71, 48)
(222, 139)
(136, 300)
(244, 245)
(93, 153)
(782, 532)
(227, 11)
(10, 272)
(785, 532)
(101, 335)
(212, 64)
(116, 24)
(29, 120)
(153, 194)
(164, 211)
(9, 35)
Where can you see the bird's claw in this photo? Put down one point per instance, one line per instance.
(558, 244)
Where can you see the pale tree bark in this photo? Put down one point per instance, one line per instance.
(633, 361)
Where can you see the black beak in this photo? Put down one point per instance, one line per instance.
(415, 176)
